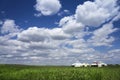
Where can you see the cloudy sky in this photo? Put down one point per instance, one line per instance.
(59, 32)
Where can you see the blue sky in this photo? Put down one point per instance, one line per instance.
(23, 11)
(59, 32)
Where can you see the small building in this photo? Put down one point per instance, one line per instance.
(98, 64)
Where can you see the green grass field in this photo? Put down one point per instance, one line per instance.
(20, 72)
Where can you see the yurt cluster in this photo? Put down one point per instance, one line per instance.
(94, 64)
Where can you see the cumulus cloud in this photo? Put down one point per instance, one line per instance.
(116, 51)
(78, 44)
(9, 26)
(101, 36)
(69, 25)
(32, 34)
(48, 7)
(116, 18)
(64, 12)
(71, 41)
(9, 29)
(41, 45)
(42, 34)
(36, 44)
(96, 13)
(112, 56)
(58, 34)
(37, 14)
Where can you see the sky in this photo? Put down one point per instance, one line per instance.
(59, 32)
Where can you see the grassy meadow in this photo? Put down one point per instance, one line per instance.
(21, 72)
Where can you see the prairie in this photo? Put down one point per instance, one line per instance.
(22, 72)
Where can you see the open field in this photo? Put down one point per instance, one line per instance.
(20, 72)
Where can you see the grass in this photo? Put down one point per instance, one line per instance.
(20, 72)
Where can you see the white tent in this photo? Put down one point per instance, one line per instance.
(94, 64)
(80, 64)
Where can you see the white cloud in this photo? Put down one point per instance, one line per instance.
(64, 20)
(80, 51)
(42, 34)
(115, 51)
(32, 34)
(58, 34)
(41, 45)
(101, 36)
(9, 29)
(66, 44)
(31, 46)
(116, 18)
(64, 12)
(9, 26)
(60, 53)
(96, 13)
(112, 56)
(38, 14)
(48, 7)
(69, 25)
(79, 43)
(110, 5)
